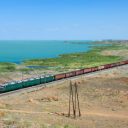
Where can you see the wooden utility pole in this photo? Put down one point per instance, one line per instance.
(73, 100)
(77, 96)
(69, 99)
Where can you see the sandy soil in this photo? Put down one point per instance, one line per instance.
(103, 102)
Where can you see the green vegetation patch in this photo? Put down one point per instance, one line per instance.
(68, 62)
(5, 67)
(79, 60)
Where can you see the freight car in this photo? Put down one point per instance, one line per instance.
(14, 85)
(80, 72)
(60, 76)
(93, 69)
(70, 74)
(87, 70)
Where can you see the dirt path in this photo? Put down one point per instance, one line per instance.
(22, 111)
(106, 115)
(85, 113)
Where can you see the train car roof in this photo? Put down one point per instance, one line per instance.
(1, 87)
(6, 84)
(25, 80)
(20, 81)
(37, 78)
(12, 82)
(31, 79)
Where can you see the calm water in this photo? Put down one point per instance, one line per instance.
(17, 51)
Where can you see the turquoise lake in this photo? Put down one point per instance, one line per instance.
(18, 51)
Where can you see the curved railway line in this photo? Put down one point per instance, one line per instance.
(38, 87)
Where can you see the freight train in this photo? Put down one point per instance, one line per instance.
(11, 86)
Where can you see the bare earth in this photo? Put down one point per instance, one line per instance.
(103, 101)
(121, 53)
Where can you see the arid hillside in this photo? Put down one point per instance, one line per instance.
(103, 101)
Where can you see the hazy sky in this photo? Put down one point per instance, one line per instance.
(63, 19)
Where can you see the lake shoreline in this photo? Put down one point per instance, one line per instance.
(64, 63)
(18, 51)
(69, 61)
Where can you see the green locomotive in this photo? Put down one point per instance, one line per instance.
(25, 83)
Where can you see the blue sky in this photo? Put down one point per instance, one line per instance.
(63, 19)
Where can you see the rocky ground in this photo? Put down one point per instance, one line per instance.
(103, 102)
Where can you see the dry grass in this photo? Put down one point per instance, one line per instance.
(103, 101)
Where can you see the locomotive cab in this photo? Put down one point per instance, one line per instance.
(1, 89)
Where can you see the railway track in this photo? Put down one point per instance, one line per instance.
(38, 87)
